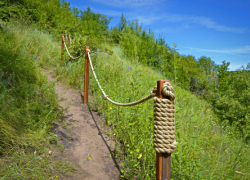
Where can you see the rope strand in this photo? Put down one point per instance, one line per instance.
(69, 53)
(152, 92)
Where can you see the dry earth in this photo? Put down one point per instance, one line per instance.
(82, 133)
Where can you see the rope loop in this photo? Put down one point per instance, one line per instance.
(153, 91)
(168, 90)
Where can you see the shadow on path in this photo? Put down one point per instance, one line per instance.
(101, 134)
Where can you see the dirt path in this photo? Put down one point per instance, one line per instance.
(82, 134)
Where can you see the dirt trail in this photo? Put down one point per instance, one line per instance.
(84, 135)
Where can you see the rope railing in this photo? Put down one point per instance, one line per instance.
(164, 113)
(69, 53)
(152, 91)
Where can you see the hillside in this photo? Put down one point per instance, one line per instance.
(212, 118)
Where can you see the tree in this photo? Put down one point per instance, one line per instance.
(175, 63)
(94, 23)
(122, 24)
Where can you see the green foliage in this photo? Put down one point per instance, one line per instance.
(10, 10)
(94, 23)
(55, 16)
(231, 99)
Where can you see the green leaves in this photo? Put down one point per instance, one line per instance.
(232, 99)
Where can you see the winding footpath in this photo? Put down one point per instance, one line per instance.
(84, 135)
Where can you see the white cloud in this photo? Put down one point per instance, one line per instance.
(148, 13)
(207, 22)
(236, 51)
(245, 49)
(234, 67)
(169, 29)
(108, 12)
(146, 20)
(128, 3)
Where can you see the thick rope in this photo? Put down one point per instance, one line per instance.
(69, 53)
(164, 126)
(152, 91)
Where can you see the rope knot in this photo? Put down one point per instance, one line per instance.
(105, 97)
(88, 50)
(153, 91)
(168, 90)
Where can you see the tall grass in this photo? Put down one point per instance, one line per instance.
(27, 104)
(205, 149)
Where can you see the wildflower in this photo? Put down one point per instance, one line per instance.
(140, 155)
(201, 117)
(108, 56)
(110, 107)
(201, 112)
(128, 69)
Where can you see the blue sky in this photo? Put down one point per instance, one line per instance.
(219, 29)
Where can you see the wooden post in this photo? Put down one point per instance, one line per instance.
(62, 48)
(69, 40)
(86, 77)
(163, 160)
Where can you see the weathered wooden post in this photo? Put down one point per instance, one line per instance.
(163, 160)
(62, 47)
(86, 76)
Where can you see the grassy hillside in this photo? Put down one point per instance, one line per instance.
(227, 92)
(27, 104)
(206, 150)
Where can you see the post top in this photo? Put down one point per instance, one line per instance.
(159, 88)
(164, 80)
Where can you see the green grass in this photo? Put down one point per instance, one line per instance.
(206, 150)
(27, 104)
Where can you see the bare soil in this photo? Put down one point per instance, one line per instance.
(82, 133)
